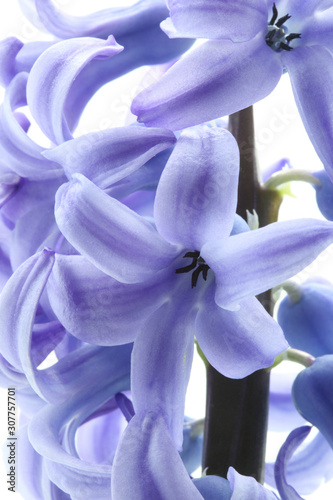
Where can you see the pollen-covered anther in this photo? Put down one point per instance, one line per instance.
(277, 35)
(196, 261)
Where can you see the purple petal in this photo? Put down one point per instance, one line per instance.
(220, 19)
(108, 156)
(20, 152)
(17, 316)
(311, 74)
(247, 487)
(109, 234)
(100, 24)
(250, 263)
(237, 343)
(9, 48)
(215, 79)
(293, 441)
(51, 78)
(80, 296)
(147, 465)
(35, 230)
(197, 194)
(307, 469)
(162, 387)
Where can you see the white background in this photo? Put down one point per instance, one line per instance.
(287, 140)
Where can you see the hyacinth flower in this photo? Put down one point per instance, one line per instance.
(135, 28)
(204, 281)
(250, 45)
(324, 194)
(305, 316)
(312, 394)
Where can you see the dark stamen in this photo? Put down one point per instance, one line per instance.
(194, 255)
(195, 276)
(196, 261)
(284, 46)
(292, 36)
(274, 16)
(282, 20)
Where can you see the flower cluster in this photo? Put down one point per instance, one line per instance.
(123, 248)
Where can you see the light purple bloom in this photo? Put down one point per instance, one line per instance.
(249, 47)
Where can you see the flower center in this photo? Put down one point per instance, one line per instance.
(277, 37)
(198, 264)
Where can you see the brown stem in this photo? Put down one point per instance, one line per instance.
(237, 410)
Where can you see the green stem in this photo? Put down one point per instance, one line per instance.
(301, 357)
(283, 177)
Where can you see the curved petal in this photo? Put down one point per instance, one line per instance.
(110, 235)
(52, 75)
(293, 441)
(215, 79)
(147, 464)
(9, 48)
(311, 75)
(213, 487)
(98, 309)
(237, 21)
(20, 152)
(237, 343)
(116, 21)
(108, 156)
(250, 263)
(307, 469)
(34, 230)
(161, 372)
(196, 197)
(313, 396)
(17, 316)
(247, 487)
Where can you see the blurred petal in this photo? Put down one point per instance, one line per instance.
(108, 156)
(213, 487)
(244, 487)
(161, 372)
(250, 263)
(237, 343)
(147, 464)
(111, 236)
(216, 19)
(311, 75)
(215, 79)
(52, 75)
(98, 309)
(293, 441)
(197, 194)
(312, 394)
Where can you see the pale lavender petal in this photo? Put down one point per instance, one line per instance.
(147, 464)
(250, 263)
(34, 231)
(308, 468)
(108, 156)
(98, 309)
(215, 79)
(117, 21)
(197, 194)
(162, 387)
(21, 153)
(51, 78)
(216, 19)
(244, 487)
(9, 48)
(293, 441)
(237, 343)
(45, 337)
(114, 238)
(311, 75)
(17, 316)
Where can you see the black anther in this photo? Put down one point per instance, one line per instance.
(284, 46)
(292, 36)
(274, 16)
(282, 20)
